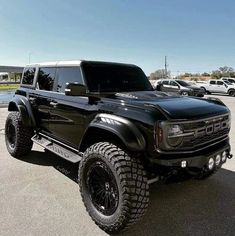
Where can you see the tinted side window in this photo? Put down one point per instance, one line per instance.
(165, 82)
(220, 82)
(212, 82)
(28, 76)
(67, 75)
(46, 78)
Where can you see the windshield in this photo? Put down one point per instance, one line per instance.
(183, 83)
(110, 77)
(227, 82)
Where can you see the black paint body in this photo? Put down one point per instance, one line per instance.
(130, 118)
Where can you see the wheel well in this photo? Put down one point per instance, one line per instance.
(95, 135)
(231, 90)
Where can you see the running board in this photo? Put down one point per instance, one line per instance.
(59, 149)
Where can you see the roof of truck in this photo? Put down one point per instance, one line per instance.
(57, 63)
(72, 63)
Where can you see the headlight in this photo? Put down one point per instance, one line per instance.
(170, 136)
(175, 135)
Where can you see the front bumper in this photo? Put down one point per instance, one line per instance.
(198, 161)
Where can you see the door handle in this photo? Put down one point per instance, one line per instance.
(53, 104)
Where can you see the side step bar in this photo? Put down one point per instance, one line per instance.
(64, 151)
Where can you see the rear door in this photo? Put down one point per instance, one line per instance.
(212, 87)
(40, 98)
(165, 86)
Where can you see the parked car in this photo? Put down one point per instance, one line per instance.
(180, 87)
(227, 82)
(231, 80)
(122, 135)
(219, 86)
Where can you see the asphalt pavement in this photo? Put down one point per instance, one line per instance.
(39, 195)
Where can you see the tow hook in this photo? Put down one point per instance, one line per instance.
(230, 156)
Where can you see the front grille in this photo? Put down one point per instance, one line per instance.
(206, 139)
(206, 131)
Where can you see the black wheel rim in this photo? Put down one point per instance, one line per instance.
(184, 93)
(11, 135)
(232, 93)
(102, 188)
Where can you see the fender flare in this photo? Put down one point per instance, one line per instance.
(122, 128)
(231, 89)
(22, 105)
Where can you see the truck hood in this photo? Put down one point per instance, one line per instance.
(175, 107)
(231, 86)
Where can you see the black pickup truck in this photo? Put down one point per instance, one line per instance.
(124, 135)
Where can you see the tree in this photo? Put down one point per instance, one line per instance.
(206, 74)
(224, 71)
(159, 74)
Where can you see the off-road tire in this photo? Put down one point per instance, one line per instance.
(131, 181)
(22, 143)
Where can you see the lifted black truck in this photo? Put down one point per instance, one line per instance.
(107, 117)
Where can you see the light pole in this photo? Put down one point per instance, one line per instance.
(30, 57)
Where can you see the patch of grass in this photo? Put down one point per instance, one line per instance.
(8, 86)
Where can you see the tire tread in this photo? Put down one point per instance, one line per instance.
(23, 136)
(133, 182)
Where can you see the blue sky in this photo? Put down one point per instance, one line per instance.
(196, 36)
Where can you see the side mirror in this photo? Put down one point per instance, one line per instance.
(75, 89)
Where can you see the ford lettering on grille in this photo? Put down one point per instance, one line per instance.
(211, 128)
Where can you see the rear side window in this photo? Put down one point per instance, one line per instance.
(28, 76)
(46, 78)
(212, 82)
(67, 75)
(166, 82)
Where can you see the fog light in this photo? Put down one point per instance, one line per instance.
(183, 164)
(211, 163)
(224, 156)
(217, 159)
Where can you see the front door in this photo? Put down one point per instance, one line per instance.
(174, 87)
(69, 114)
(221, 87)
